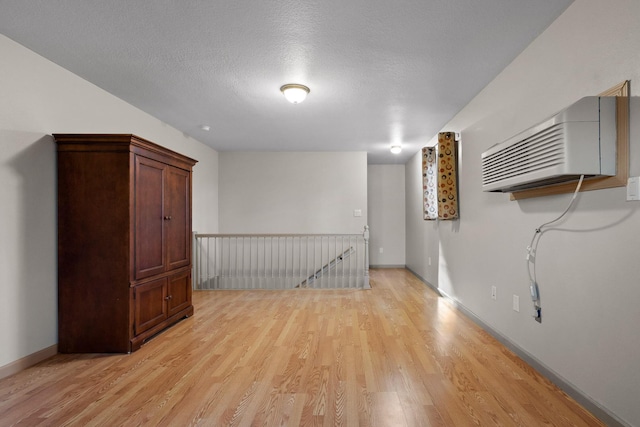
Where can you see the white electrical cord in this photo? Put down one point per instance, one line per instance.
(532, 248)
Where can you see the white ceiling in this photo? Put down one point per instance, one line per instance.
(379, 71)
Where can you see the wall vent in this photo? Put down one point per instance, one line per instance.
(580, 140)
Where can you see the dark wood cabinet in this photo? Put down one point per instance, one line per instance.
(124, 241)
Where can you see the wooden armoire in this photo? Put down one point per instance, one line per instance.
(124, 241)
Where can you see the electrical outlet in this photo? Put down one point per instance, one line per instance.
(381, 250)
(429, 260)
(494, 293)
(516, 303)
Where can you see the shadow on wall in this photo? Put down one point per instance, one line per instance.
(29, 241)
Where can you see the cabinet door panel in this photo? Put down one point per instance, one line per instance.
(178, 213)
(151, 306)
(150, 256)
(179, 292)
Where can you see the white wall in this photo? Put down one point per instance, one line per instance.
(588, 268)
(292, 192)
(38, 98)
(421, 235)
(386, 197)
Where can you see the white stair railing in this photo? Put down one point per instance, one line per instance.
(280, 261)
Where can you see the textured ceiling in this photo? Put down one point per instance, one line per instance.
(379, 71)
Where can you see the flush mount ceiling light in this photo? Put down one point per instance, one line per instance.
(294, 93)
(396, 148)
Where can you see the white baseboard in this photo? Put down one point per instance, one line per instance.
(592, 406)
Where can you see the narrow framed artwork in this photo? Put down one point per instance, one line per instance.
(447, 176)
(429, 182)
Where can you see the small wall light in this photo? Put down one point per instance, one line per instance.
(295, 93)
(396, 148)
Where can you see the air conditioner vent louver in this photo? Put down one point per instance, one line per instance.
(534, 153)
(577, 141)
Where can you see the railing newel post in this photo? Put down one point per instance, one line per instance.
(366, 257)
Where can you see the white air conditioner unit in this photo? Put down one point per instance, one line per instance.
(580, 140)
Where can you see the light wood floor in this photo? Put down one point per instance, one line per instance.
(396, 355)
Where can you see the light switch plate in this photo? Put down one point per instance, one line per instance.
(357, 212)
(633, 188)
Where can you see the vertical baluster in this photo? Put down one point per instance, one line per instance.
(328, 262)
(344, 269)
(337, 255)
(208, 273)
(229, 261)
(216, 272)
(222, 252)
(270, 258)
(365, 236)
(287, 262)
(198, 273)
(217, 267)
(342, 255)
(211, 259)
(290, 260)
(356, 244)
(198, 267)
(259, 243)
(299, 258)
(329, 258)
(258, 280)
(235, 261)
(234, 270)
(208, 267)
(321, 257)
(225, 273)
(351, 255)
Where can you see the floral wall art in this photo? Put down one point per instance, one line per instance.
(440, 178)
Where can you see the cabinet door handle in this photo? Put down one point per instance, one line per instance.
(167, 298)
(167, 218)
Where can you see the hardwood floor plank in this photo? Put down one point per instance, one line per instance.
(394, 355)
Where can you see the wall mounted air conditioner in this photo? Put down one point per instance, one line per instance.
(580, 140)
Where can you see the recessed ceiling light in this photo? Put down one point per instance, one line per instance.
(295, 93)
(205, 128)
(396, 148)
